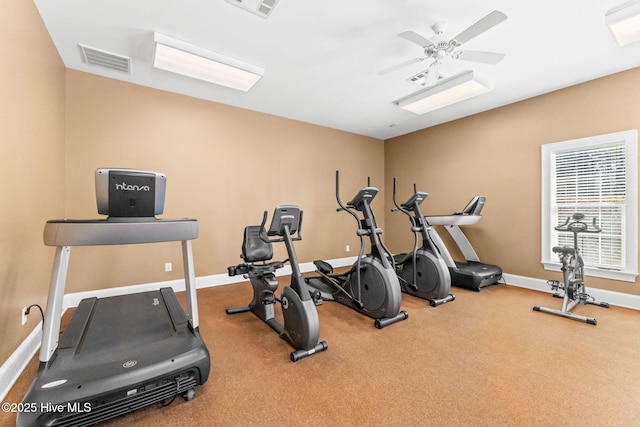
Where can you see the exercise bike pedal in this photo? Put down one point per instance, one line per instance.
(316, 296)
(555, 285)
(269, 300)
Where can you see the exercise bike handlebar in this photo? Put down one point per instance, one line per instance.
(296, 229)
(579, 226)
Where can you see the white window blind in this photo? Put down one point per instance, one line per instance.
(593, 181)
(597, 177)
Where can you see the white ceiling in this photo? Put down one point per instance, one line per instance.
(322, 58)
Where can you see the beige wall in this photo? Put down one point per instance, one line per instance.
(498, 154)
(224, 166)
(32, 173)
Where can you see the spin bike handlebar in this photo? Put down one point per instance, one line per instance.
(575, 224)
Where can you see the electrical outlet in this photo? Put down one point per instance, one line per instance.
(168, 267)
(347, 248)
(23, 315)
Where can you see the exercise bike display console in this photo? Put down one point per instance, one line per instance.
(572, 289)
(301, 328)
(471, 274)
(119, 353)
(371, 286)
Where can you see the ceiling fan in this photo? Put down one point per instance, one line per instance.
(439, 47)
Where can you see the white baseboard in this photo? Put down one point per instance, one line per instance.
(13, 367)
(11, 370)
(614, 298)
(16, 363)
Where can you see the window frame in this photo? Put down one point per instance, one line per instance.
(630, 140)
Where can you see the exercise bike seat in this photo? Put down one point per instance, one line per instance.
(564, 250)
(255, 252)
(254, 248)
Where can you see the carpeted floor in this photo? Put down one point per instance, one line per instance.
(485, 359)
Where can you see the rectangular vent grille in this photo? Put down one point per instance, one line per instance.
(116, 408)
(259, 7)
(419, 79)
(100, 58)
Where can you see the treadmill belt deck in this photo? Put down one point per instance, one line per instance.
(120, 323)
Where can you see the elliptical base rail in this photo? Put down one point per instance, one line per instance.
(386, 321)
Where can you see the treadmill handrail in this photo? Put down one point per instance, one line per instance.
(103, 232)
(453, 219)
(63, 234)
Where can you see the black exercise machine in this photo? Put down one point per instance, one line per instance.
(301, 328)
(470, 274)
(124, 352)
(422, 272)
(371, 286)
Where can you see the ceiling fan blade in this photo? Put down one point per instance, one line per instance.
(489, 21)
(416, 38)
(399, 66)
(477, 56)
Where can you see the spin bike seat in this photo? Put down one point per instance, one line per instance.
(564, 250)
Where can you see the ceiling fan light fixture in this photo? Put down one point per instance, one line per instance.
(624, 22)
(446, 92)
(196, 62)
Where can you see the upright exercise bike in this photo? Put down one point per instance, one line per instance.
(422, 272)
(371, 286)
(572, 289)
(301, 327)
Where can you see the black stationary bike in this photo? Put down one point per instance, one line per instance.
(572, 289)
(301, 327)
(422, 272)
(371, 286)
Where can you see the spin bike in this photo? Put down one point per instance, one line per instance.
(572, 289)
(422, 272)
(301, 327)
(371, 286)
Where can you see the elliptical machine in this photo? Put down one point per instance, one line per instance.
(572, 289)
(371, 286)
(422, 272)
(301, 327)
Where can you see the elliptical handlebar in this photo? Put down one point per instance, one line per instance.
(395, 202)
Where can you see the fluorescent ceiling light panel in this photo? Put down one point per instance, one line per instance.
(624, 22)
(446, 92)
(183, 58)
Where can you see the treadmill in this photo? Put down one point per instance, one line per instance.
(124, 352)
(471, 274)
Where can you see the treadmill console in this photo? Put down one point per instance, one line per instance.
(130, 193)
(474, 207)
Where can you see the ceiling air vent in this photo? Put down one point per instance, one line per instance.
(100, 58)
(259, 7)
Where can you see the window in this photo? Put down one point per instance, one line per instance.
(596, 176)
